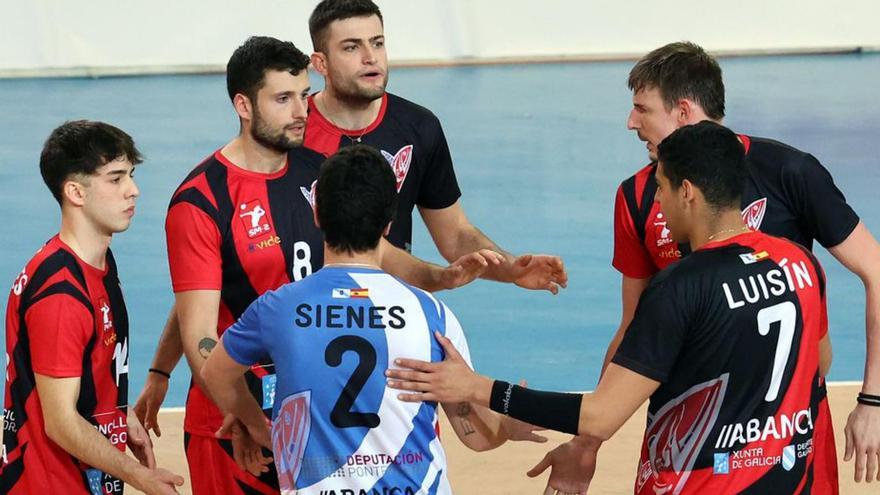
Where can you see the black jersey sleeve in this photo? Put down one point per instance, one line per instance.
(823, 210)
(439, 188)
(656, 335)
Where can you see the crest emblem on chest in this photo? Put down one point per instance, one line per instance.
(400, 163)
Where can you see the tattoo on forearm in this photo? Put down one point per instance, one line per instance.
(463, 412)
(206, 345)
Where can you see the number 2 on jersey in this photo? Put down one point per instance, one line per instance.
(786, 314)
(342, 415)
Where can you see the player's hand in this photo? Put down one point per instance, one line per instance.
(148, 403)
(539, 272)
(158, 482)
(468, 268)
(520, 431)
(572, 466)
(246, 451)
(139, 442)
(863, 442)
(451, 380)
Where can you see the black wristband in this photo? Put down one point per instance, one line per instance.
(552, 410)
(868, 400)
(160, 372)
(869, 397)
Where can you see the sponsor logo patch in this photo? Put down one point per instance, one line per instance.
(253, 217)
(788, 457)
(722, 463)
(661, 231)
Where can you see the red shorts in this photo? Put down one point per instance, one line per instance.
(212, 469)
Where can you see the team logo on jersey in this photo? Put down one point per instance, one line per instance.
(309, 193)
(400, 163)
(749, 258)
(661, 231)
(357, 293)
(676, 434)
(254, 218)
(108, 332)
(290, 434)
(753, 214)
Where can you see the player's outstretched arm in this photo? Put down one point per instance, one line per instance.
(630, 291)
(455, 236)
(599, 414)
(481, 429)
(197, 313)
(168, 354)
(65, 427)
(431, 277)
(860, 254)
(224, 381)
(572, 465)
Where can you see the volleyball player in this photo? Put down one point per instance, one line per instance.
(730, 347)
(336, 428)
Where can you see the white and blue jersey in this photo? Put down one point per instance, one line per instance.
(336, 428)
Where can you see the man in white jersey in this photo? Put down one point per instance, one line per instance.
(336, 428)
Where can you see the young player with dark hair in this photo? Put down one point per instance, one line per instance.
(66, 402)
(788, 193)
(349, 42)
(729, 345)
(336, 429)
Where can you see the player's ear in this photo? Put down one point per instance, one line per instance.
(73, 191)
(688, 191)
(243, 106)
(687, 112)
(387, 230)
(319, 62)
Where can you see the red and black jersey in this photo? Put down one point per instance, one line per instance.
(732, 334)
(788, 194)
(411, 139)
(242, 233)
(65, 319)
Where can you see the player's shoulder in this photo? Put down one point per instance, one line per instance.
(641, 176)
(53, 265)
(302, 156)
(765, 152)
(408, 112)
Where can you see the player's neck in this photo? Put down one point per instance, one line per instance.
(248, 154)
(87, 243)
(717, 228)
(345, 113)
(342, 258)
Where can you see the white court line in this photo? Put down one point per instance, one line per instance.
(830, 384)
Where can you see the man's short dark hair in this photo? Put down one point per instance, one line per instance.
(356, 198)
(81, 147)
(246, 69)
(337, 10)
(711, 157)
(681, 70)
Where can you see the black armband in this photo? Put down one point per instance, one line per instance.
(160, 372)
(869, 400)
(552, 410)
